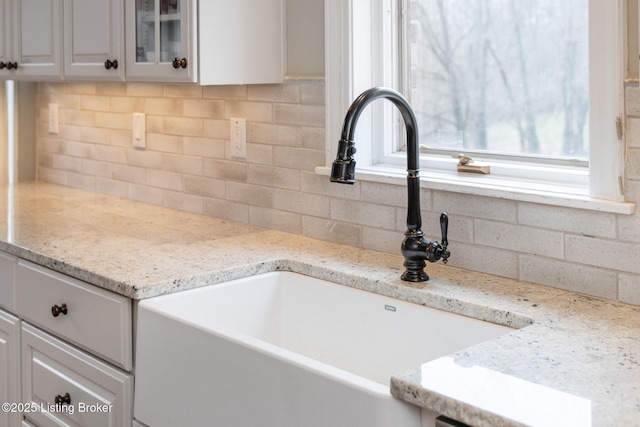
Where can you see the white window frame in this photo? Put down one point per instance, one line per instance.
(353, 63)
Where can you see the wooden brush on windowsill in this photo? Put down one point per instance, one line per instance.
(466, 164)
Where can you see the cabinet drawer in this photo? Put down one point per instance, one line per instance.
(8, 281)
(98, 395)
(96, 319)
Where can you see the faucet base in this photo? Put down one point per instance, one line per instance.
(415, 271)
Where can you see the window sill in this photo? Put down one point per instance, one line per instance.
(488, 186)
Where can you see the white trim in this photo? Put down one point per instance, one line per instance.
(338, 66)
(338, 69)
(606, 65)
(606, 165)
(12, 132)
(5, 155)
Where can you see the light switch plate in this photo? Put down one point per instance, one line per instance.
(54, 124)
(238, 130)
(139, 130)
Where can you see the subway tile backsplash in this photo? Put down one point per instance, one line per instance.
(187, 166)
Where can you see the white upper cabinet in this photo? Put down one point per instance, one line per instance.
(31, 40)
(161, 40)
(94, 39)
(5, 34)
(243, 41)
(213, 42)
(172, 41)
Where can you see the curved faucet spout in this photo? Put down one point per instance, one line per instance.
(410, 122)
(343, 169)
(414, 247)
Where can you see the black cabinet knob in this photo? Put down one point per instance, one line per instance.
(179, 63)
(56, 310)
(109, 64)
(63, 400)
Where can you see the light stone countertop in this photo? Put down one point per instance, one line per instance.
(576, 360)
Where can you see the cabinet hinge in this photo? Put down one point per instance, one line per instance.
(619, 128)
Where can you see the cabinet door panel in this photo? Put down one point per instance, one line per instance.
(5, 31)
(52, 368)
(94, 34)
(37, 40)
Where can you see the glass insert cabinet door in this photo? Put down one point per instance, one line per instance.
(158, 36)
(162, 31)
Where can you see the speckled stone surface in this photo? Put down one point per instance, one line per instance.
(575, 360)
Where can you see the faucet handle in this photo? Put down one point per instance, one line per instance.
(444, 228)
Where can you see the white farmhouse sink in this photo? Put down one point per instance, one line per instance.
(283, 349)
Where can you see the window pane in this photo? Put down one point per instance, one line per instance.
(500, 76)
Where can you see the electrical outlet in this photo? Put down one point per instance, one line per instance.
(54, 125)
(238, 132)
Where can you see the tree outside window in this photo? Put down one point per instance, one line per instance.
(503, 77)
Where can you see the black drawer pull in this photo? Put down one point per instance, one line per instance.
(56, 310)
(63, 400)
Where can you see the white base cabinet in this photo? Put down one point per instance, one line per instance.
(65, 350)
(9, 368)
